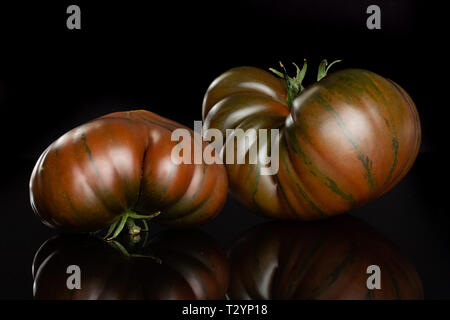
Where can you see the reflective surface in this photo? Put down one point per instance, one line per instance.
(274, 260)
(412, 217)
(172, 265)
(340, 258)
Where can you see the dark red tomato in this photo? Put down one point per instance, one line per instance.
(319, 260)
(344, 140)
(118, 168)
(191, 265)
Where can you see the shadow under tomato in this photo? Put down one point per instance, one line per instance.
(319, 260)
(174, 265)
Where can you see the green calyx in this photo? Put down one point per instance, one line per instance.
(294, 84)
(324, 67)
(129, 219)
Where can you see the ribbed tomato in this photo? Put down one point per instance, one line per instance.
(319, 260)
(175, 265)
(344, 140)
(118, 168)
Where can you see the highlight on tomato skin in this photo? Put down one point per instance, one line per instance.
(173, 265)
(317, 260)
(344, 140)
(116, 171)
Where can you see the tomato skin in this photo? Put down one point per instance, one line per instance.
(193, 266)
(99, 171)
(319, 260)
(346, 140)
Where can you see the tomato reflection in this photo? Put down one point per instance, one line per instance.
(174, 265)
(319, 260)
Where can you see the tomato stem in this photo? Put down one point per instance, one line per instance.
(128, 219)
(145, 225)
(294, 84)
(324, 67)
(120, 224)
(133, 228)
(134, 215)
(111, 228)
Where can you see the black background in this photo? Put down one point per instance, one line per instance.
(163, 56)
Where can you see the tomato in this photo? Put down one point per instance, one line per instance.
(319, 260)
(176, 265)
(344, 140)
(118, 168)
